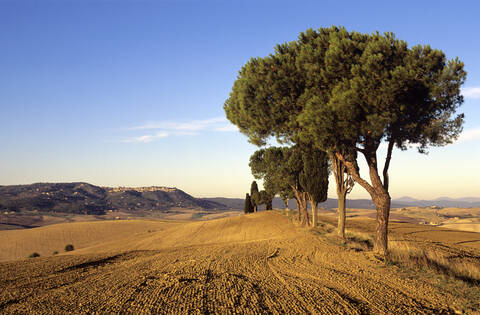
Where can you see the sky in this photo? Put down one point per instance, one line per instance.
(131, 93)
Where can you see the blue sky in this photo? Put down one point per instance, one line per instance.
(130, 93)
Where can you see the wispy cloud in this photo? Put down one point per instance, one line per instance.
(471, 92)
(226, 128)
(146, 138)
(193, 125)
(179, 128)
(469, 135)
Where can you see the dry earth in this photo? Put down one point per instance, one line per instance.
(15, 221)
(257, 263)
(463, 219)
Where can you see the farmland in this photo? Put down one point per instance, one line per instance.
(256, 263)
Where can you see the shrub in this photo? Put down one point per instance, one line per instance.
(33, 255)
(55, 252)
(69, 248)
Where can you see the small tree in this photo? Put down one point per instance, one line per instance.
(293, 171)
(266, 198)
(254, 196)
(280, 169)
(247, 206)
(286, 194)
(314, 178)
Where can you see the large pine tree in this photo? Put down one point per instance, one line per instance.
(347, 92)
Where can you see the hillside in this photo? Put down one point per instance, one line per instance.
(256, 263)
(84, 198)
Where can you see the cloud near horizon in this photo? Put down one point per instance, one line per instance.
(471, 92)
(180, 128)
(469, 135)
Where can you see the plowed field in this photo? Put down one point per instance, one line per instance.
(258, 263)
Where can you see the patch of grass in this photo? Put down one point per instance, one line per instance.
(460, 277)
(403, 254)
(69, 248)
(364, 240)
(33, 255)
(197, 216)
(467, 295)
(322, 228)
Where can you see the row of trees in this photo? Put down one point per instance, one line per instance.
(257, 198)
(345, 93)
(300, 173)
(294, 172)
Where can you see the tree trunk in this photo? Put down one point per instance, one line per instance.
(341, 213)
(287, 210)
(344, 186)
(380, 196)
(270, 205)
(382, 203)
(298, 209)
(255, 208)
(306, 219)
(314, 212)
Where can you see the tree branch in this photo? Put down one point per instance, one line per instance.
(360, 150)
(349, 183)
(356, 176)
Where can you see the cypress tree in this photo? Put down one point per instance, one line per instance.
(247, 206)
(314, 178)
(254, 196)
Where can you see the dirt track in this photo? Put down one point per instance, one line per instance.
(259, 263)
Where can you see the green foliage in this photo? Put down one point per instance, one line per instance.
(33, 255)
(266, 198)
(383, 91)
(268, 165)
(341, 89)
(286, 195)
(314, 177)
(247, 207)
(279, 167)
(69, 248)
(346, 92)
(254, 195)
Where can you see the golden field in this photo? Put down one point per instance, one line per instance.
(256, 263)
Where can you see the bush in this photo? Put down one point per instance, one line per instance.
(69, 248)
(55, 252)
(33, 255)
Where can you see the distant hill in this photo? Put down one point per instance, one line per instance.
(444, 202)
(331, 203)
(237, 203)
(84, 198)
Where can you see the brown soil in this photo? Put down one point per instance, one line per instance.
(257, 263)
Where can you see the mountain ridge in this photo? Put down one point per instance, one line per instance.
(85, 198)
